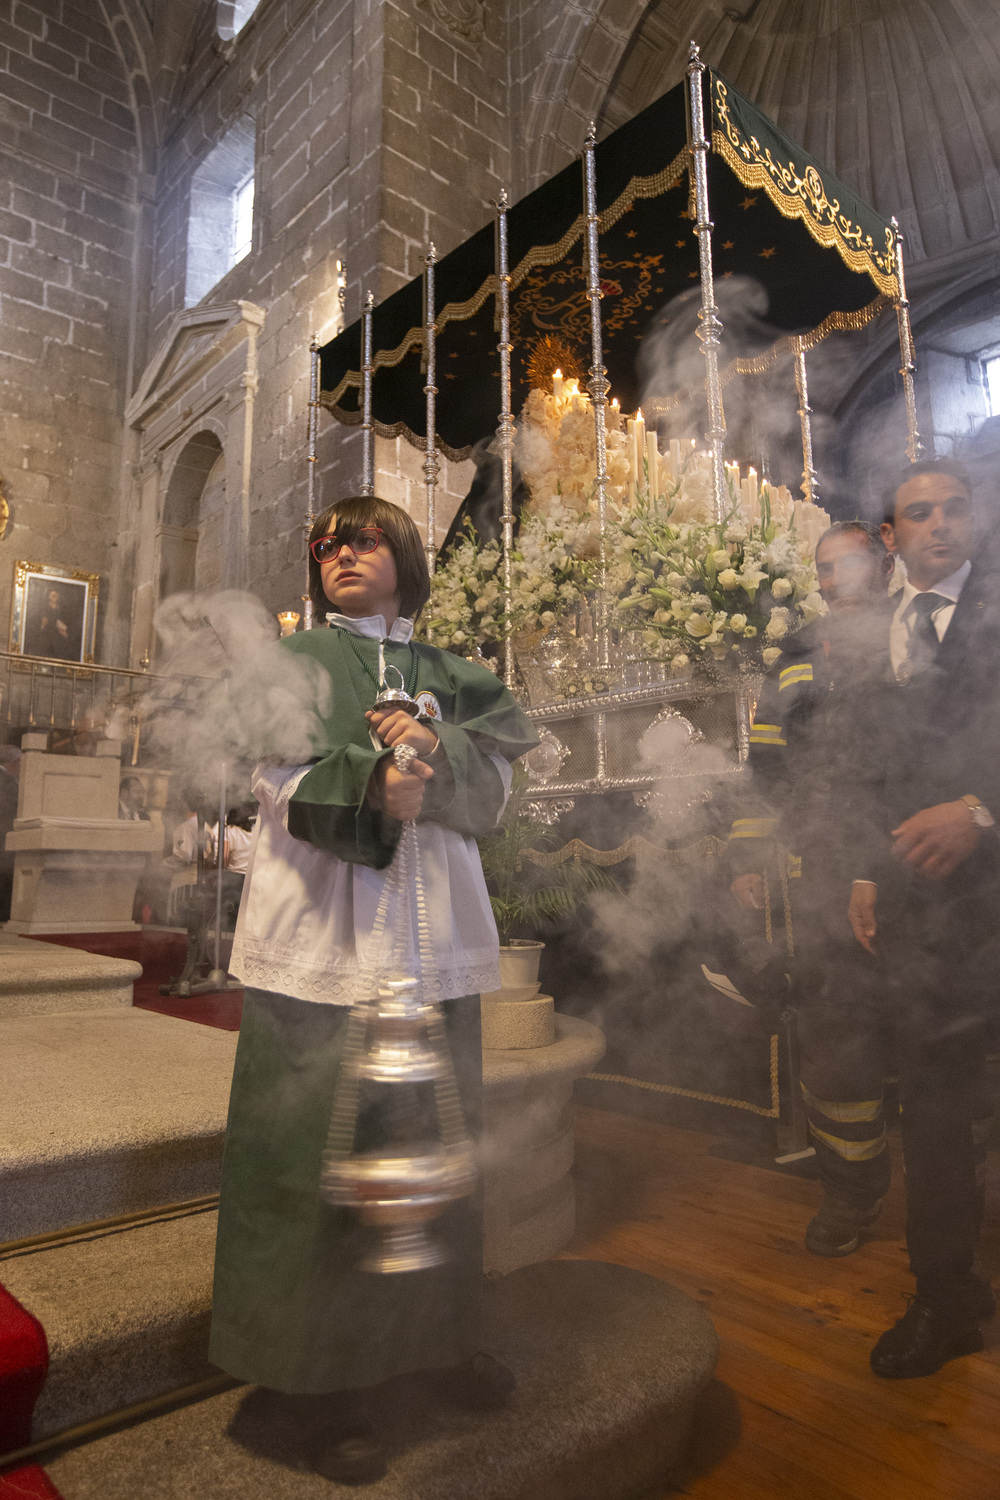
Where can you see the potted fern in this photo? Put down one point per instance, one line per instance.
(526, 897)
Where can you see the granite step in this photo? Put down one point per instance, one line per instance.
(44, 978)
(126, 1314)
(105, 1113)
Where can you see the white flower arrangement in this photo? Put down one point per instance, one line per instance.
(685, 589)
(548, 576)
(688, 590)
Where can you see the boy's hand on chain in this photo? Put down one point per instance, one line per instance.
(397, 727)
(400, 793)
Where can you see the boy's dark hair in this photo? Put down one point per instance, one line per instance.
(949, 466)
(868, 530)
(398, 533)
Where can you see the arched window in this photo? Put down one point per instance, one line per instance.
(220, 219)
(232, 15)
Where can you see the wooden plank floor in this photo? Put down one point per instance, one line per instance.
(794, 1410)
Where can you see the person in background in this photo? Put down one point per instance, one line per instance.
(132, 800)
(185, 840)
(10, 771)
(926, 894)
(801, 775)
(239, 837)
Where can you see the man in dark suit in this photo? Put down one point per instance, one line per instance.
(926, 894)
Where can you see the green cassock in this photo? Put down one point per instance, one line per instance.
(290, 1309)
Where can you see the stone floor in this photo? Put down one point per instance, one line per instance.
(609, 1363)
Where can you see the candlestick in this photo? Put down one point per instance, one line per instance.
(652, 463)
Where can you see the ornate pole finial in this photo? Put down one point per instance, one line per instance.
(367, 425)
(506, 434)
(908, 363)
(694, 57)
(430, 392)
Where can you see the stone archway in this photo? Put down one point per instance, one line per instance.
(190, 533)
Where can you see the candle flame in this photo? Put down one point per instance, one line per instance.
(558, 375)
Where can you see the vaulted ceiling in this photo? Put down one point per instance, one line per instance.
(899, 97)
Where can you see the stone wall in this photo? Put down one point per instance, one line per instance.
(69, 160)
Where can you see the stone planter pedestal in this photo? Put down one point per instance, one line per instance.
(529, 1203)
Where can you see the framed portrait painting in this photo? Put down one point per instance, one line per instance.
(54, 613)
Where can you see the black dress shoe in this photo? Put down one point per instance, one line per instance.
(924, 1339)
(349, 1452)
(481, 1383)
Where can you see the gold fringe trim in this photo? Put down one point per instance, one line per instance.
(400, 429)
(792, 343)
(774, 1113)
(539, 255)
(709, 847)
(803, 198)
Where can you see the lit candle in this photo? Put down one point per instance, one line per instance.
(288, 620)
(557, 385)
(630, 450)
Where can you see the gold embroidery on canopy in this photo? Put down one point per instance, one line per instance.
(803, 198)
(539, 255)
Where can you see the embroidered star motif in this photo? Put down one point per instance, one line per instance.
(680, 244)
(728, 244)
(766, 254)
(631, 234)
(726, 274)
(748, 203)
(692, 276)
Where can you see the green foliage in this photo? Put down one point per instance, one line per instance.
(525, 897)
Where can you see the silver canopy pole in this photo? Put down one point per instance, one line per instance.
(506, 435)
(810, 483)
(367, 426)
(430, 391)
(307, 609)
(710, 328)
(908, 367)
(218, 975)
(598, 381)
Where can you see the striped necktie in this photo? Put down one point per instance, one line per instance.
(921, 650)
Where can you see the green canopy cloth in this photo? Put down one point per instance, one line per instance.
(825, 259)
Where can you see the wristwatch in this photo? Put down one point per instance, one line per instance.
(981, 816)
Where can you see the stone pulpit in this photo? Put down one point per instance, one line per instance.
(76, 863)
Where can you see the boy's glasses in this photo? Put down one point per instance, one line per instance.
(325, 548)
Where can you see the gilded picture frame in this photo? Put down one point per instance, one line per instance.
(53, 613)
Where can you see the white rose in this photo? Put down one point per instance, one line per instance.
(482, 605)
(548, 618)
(777, 626)
(679, 664)
(781, 588)
(698, 626)
(729, 579)
(738, 623)
(749, 632)
(771, 654)
(457, 637)
(721, 558)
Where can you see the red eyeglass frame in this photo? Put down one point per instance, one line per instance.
(331, 536)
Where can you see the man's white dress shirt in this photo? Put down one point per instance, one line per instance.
(905, 618)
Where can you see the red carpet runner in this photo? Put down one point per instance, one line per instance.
(162, 957)
(24, 1364)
